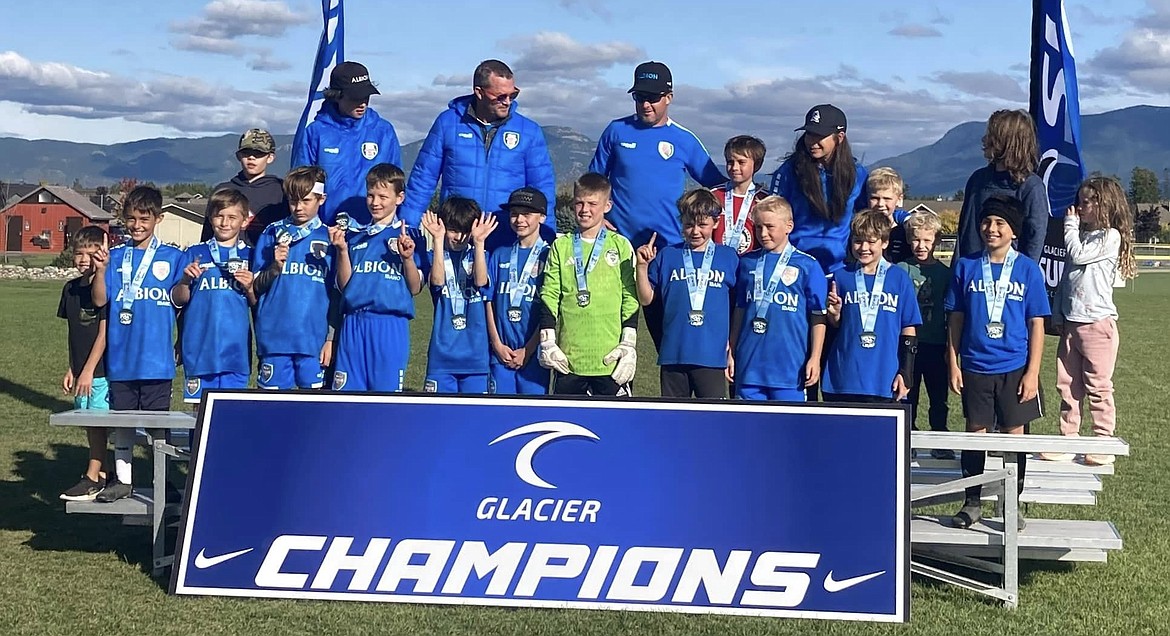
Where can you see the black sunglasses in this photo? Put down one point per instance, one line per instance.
(653, 98)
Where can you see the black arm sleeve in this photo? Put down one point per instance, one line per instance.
(907, 350)
(265, 279)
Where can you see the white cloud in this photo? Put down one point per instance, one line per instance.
(550, 56)
(915, 31)
(587, 8)
(983, 84)
(225, 22)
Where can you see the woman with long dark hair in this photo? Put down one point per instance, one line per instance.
(823, 183)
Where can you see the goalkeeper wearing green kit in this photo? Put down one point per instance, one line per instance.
(589, 322)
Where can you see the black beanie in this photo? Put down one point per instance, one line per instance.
(1007, 208)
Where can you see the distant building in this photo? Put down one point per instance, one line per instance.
(1162, 207)
(180, 225)
(184, 197)
(932, 205)
(42, 220)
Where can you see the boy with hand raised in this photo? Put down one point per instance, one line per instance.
(216, 290)
(695, 280)
(293, 261)
(513, 322)
(378, 273)
(140, 358)
(778, 328)
(874, 306)
(457, 359)
(589, 321)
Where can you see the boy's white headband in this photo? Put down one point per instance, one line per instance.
(318, 188)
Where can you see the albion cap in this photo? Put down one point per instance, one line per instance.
(652, 77)
(353, 80)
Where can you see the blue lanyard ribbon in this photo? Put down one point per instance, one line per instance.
(763, 297)
(868, 303)
(732, 228)
(519, 281)
(995, 292)
(579, 261)
(453, 283)
(130, 287)
(697, 281)
(298, 232)
(233, 251)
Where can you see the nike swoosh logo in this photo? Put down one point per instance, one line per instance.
(202, 561)
(844, 584)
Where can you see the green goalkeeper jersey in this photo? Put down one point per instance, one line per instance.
(586, 334)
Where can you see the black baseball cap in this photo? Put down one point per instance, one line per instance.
(824, 120)
(353, 80)
(652, 77)
(529, 198)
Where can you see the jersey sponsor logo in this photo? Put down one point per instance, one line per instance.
(665, 149)
(505, 288)
(789, 275)
(393, 271)
(160, 269)
(369, 150)
(511, 139)
(786, 300)
(629, 144)
(339, 378)
(715, 278)
(157, 294)
(208, 283)
(887, 301)
(550, 432)
(471, 293)
(303, 269)
(332, 151)
(1015, 289)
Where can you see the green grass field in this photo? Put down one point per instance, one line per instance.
(62, 574)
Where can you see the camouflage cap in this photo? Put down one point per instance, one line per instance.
(258, 139)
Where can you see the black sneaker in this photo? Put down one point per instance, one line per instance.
(85, 490)
(114, 491)
(969, 515)
(942, 453)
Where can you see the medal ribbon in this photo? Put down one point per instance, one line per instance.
(733, 229)
(697, 281)
(520, 281)
(130, 287)
(579, 261)
(995, 293)
(452, 282)
(763, 297)
(869, 303)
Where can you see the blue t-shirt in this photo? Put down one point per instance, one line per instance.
(515, 334)
(776, 358)
(454, 350)
(704, 345)
(144, 349)
(852, 368)
(217, 322)
(377, 283)
(1026, 299)
(292, 317)
(647, 167)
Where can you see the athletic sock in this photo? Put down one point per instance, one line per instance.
(123, 454)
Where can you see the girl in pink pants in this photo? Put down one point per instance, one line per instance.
(1098, 234)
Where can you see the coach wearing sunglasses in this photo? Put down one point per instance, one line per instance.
(483, 150)
(647, 156)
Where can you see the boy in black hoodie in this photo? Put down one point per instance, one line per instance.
(265, 193)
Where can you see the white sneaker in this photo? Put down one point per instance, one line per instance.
(1058, 457)
(1099, 460)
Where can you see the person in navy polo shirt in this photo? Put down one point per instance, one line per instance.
(646, 157)
(997, 304)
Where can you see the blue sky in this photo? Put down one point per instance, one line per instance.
(903, 72)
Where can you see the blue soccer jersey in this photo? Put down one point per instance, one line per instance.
(687, 338)
(377, 283)
(776, 357)
(459, 342)
(1026, 299)
(867, 365)
(140, 344)
(510, 283)
(292, 316)
(647, 166)
(217, 322)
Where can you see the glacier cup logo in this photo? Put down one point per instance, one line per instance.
(552, 431)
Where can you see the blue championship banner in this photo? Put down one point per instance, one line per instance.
(729, 508)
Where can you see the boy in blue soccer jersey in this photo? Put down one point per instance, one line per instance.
(517, 271)
(695, 280)
(997, 304)
(216, 289)
(875, 308)
(140, 358)
(85, 377)
(293, 264)
(378, 275)
(778, 328)
(457, 359)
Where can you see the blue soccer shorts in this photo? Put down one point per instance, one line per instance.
(531, 379)
(290, 372)
(465, 383)
(373, 352)
(756, 392)
(194, 386)
(98, 398)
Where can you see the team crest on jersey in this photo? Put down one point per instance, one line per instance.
(666, 149)
(317, 249)
(369, 150)
(392, 244)
(160, 269)
(431, 386)
(789, 275)
(511, 139)
(612, 257)
(339, 378)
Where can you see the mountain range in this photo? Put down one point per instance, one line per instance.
(1113, 143)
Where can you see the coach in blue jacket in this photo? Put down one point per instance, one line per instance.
(347, 138)
(483, 150)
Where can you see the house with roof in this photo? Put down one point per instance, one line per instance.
(182, 222)
(42, 220)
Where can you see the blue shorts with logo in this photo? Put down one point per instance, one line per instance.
(373, 352)
(194, 386)
(754, 392)
(465, 383)
(290, 372)
(531, 379)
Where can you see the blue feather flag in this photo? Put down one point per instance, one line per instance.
(330, 52)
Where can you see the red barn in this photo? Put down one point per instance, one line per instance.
(42, 221)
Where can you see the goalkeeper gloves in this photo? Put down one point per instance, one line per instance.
(551, 356)
(625, 355)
